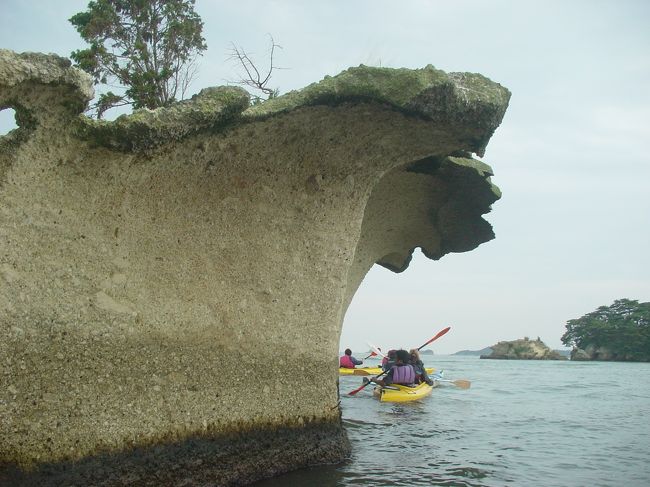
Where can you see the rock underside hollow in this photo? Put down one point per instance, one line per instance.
(173, 283)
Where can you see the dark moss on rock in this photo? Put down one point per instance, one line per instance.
(145, 129)
(222, 460)
(465, 100)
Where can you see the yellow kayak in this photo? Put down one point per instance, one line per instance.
(401, 393)
(370, 371)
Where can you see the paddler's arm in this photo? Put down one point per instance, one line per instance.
(386, 380)
(425, 376)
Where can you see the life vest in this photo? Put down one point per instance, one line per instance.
(403, 374)
(346, 362)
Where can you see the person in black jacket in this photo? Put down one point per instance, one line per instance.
(388, 361)
(420, 371)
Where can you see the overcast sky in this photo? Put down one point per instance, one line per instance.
(571, 157)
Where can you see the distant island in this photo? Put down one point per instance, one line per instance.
(488, 350)
(523, 349)
(428, 351)
(483, 351)
(620, 332)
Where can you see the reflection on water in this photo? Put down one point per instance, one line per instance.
(521, 423)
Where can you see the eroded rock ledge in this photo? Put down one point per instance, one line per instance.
(163, 275)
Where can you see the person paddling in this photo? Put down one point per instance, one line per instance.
(347, 361)
(402, 372)
(420, 371)
(388, 361)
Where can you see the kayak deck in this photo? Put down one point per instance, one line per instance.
(371, 371)
(402, 393)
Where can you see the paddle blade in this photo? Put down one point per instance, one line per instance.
(352, 393)
(438, 335)
(462, 383)
(375, 350)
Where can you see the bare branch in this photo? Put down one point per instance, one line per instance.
(191, 71)
(254, 78)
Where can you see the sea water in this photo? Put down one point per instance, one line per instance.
(540, 423)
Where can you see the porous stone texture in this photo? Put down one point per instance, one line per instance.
(523, 349)
(173, 284)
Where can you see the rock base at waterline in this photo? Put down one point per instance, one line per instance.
(237, 459)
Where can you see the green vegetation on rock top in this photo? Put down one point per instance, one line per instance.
(467, 99)
(468, 105)
(397, 87)
(145, 129)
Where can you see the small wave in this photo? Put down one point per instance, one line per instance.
(470, 472)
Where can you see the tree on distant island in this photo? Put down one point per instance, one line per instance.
(147, 46)
(617, 332)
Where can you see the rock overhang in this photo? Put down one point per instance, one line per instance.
(24, 77)
(470, 102)
(220, 229)
(464, 101)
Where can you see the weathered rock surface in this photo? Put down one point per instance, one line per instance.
(579, 354)
(592, 352)
(162, 275)
(523, 349)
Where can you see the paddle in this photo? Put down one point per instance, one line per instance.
(352, 393)
(438, 335)
(376, 350)
(373, 354)
(460, 383)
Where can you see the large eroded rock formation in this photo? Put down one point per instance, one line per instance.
(523, 349)
(172, 284)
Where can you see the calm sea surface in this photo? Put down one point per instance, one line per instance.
(546, 423)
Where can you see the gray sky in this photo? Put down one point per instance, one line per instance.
(573, 225)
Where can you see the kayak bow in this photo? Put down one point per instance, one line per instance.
(402, 393)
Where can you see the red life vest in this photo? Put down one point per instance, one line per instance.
(346, 362)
